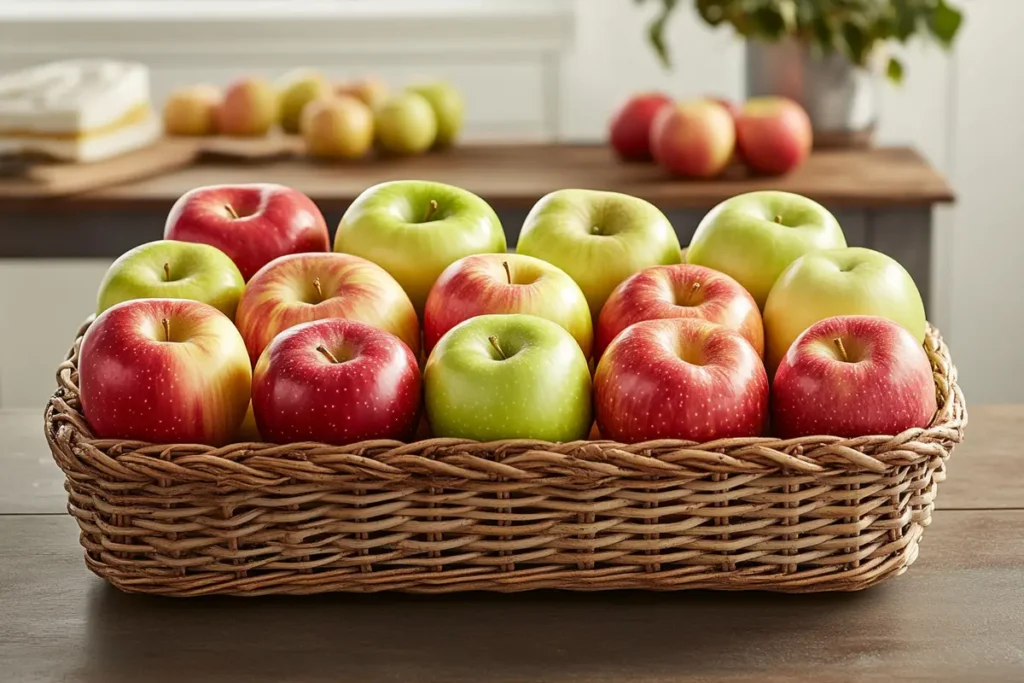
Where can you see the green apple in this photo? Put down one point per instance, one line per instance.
(168, 269)
(406, 124)
(833, 282)
(447, 103)
(598, 238)
(414, 229)
(295, 90)
(754, 236)
(508, 377)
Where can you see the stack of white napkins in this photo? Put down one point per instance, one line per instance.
(77, 110)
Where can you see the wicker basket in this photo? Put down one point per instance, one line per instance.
(441, 515)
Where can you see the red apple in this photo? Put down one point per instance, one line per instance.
(253, 224)
(681, 291)
(850, 376)
(336, 381)
(630, 128)
(299, 288)
(506, 283)
(695, 138)
(680, 378)
(164, 371)
(773, 134)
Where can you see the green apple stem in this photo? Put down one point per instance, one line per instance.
(231, 210)
(431, 208)
(842, 349)
(497, 347)
(508, 273)
(316, 286)
(778, 219)
(327, 353)
(167, 329)
(167, 271)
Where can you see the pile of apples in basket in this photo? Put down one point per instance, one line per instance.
(244, 325)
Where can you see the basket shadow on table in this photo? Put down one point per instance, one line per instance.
(469, 636)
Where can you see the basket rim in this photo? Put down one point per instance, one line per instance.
(812, 455)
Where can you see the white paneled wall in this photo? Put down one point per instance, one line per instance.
(557, 68)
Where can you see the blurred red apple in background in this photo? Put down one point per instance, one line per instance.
(683, 291)
(336, 381)
(630, 127)
(774, 134)
(299, 288)
(251, 223)
(680, 378)
(164, 371)
(694, 138)
(850, 376)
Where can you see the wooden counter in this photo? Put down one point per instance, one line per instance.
(956, 615)
(515, 176)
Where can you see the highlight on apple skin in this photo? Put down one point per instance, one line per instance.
(680, 291)
(300, 288)
(164, 371)
(680, 378)
(850, 376)
(336, 381)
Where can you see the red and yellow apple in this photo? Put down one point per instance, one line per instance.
(337, 127)
(192, 110)
(371, 91)
(694, 138)
(253, 224)
(680, 378)
(630, 129)
(336, 381)
(249, 108)
(680, 291)
(774, 134)
(506, 283)
(852, 376)
(300, 288)
(164, 371)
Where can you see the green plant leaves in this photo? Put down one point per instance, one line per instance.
(854, 28)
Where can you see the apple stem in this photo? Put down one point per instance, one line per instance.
(778, 219)
(695, 288)
(231, 210)
(508, 273)
(167, 329)
(431, 208)
(842, 349)
(327, 353)
(167, 271)
(316, 286)
(497, 347)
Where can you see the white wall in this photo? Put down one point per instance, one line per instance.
(557, 68)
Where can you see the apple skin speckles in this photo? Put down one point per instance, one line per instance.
(680, 378)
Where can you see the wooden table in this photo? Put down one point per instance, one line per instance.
(882, 197)
(956, 615)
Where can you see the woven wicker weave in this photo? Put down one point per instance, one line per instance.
(811, 514)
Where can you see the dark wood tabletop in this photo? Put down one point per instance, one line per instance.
(956, 615)
(515, 176)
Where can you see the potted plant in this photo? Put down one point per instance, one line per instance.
(828, 55)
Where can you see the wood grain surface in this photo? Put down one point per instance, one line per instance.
(956, 615)
(516, 176)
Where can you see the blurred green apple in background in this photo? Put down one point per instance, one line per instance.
(406, 124)
(448, 105)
